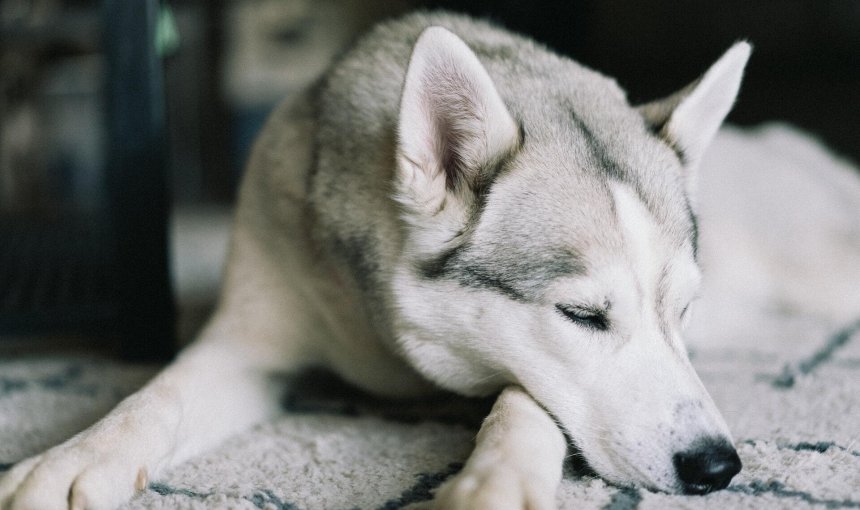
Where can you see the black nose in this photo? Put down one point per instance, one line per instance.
(708, 466)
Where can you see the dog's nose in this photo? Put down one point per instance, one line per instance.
(708, 466)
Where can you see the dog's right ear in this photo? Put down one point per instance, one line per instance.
(689, 119)
(453, 127)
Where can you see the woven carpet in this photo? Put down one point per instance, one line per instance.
(775, 338)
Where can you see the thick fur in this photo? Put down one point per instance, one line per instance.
(455, 206)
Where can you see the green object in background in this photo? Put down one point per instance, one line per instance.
(166, 32)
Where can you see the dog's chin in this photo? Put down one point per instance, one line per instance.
(619, 477)
(625, 482)
(594, 461)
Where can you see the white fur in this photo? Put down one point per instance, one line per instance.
(636, 369)
(590, 381)
(649, 255)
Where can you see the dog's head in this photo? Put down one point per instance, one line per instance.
(551, 243)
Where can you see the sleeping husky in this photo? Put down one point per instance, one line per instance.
(453, 207)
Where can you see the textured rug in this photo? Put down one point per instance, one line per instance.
(782, 363)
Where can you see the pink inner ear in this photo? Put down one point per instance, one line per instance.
(451, 136)
(452, 119)
(698, 116)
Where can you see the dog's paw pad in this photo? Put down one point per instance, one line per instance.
(68, 477)
(11, 480)
(496, 488)
(104, 486)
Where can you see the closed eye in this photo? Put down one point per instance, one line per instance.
(591, 318)
(685, 314)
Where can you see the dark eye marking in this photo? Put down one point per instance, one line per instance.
(591, 318)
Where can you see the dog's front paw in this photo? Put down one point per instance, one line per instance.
(494, 487)
(76, 475)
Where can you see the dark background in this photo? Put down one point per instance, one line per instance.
(805, 66)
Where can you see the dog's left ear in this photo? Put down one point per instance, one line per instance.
(453, 127)
(689, 119)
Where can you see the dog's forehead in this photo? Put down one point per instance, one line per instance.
(579, 133)
(572, 158)
(553, 212)
(550, 211)
(568, 163)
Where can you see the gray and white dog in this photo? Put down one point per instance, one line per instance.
(457, 207)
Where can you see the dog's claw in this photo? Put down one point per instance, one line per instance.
(141, 480)
(77, 501)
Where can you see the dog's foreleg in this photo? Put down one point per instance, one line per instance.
(517, 461)
(218, 386)
(209, 393)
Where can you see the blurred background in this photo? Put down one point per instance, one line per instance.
(124, 127)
